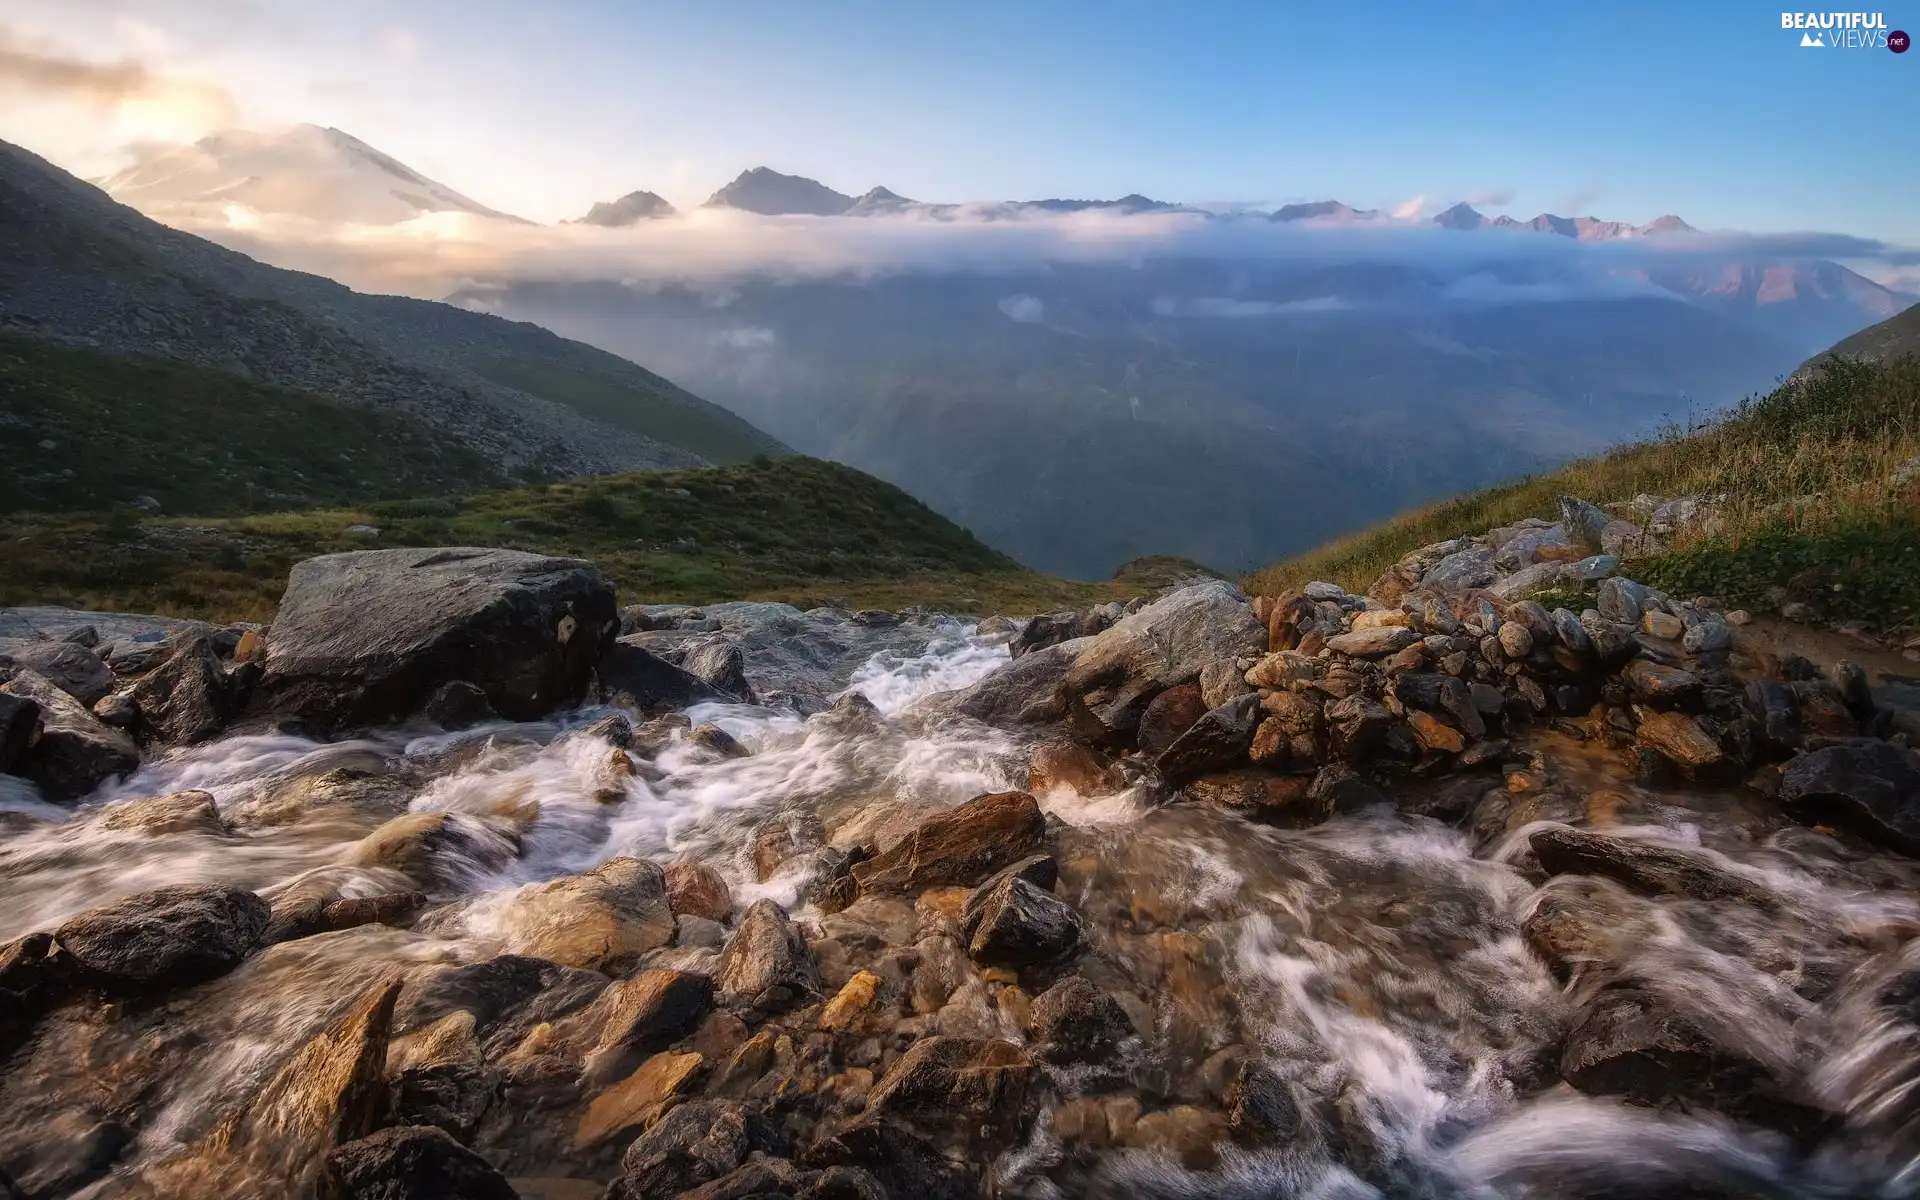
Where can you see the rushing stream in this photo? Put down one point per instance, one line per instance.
(1378, 963)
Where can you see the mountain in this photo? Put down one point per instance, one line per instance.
(627, 210)
(1465, 217)
(1127, 205)
(1896, 337)
(772, 194)
(1320, 210)
(306, 171)
(879, 201)
(81, 271)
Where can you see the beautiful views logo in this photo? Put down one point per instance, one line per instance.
(1845, 31)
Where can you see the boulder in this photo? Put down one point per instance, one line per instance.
(642, 1015)
(1356, 728)
(1066, 764)
(165, 938)
(1623, 600)
(1643, 866)
(696, 889)
(1075, 1022)
(1222, 682)
(766, 965)
(636, 678)
(957, 846)
(184, 700)
(1167, 716)
(603, 920)
(368, 636)
(19, 729)
(75, 753)
(74, 669)
(176, 812)
(437, 850)
(1373, 643)
(1461, 570)
(1658, 685)
(1584, 521)
(694, 1142)
(1776, 710)
(1163, 645)
(1218, 740)
(1262, 1110)
(955, 1080)
(720, 664)
(415, 1162)
(1867, 786)
(1025, 692)
(1677, 738)
(1016, 923)
(1524, 547)
(457, 704)
(1636, 1045)
(1047, 629)
(503, 992)
(638, 1101)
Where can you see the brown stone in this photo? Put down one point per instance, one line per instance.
(643, 1014)
(851, 1002)
(1070, 765)
(1680, 741)
(1192, 1135)
(1253, 791)
(1373, 643)
(981, 1081)
(695, 889)
(638, 1100)
(1660, 685)
(177, 812)
(1435, 735)
(603, 920)
(1169, 715)
(961, 845)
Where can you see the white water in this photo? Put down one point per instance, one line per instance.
(1375, 962)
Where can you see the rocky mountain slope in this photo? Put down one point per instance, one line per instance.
(1896, 337)
(80, 270)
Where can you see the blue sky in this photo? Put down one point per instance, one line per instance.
(1626, 111)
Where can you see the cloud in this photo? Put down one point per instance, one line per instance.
(1498, 197)
(1028, 310)
(40, 69)
(1220, 306)
(1409, 209)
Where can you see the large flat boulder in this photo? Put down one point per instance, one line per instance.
(368, 636)
(1165, 644)
(1865, 785)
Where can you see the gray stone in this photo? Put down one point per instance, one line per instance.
(1373, 643)
(367, 636)
(74, 669)
(1868, 786)
(633, 677)
(1584, 521)
(1706, 637)
(1463, 569)
(1622, 599)
(75, 752)
(1164, 644)
(1519, 551)
(167, 937)
(184, 700)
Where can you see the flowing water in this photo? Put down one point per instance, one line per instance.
(1376, 963)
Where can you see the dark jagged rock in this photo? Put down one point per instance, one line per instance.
(1642, 866)
(1025, 692)
(390, 908)
(1019, 924)
(1164, 645)
(957, 846)
(184, 700)
(636, 678)
(1356, 727)
(1219, 739)
(1777, 712)
(1680, 740)
(1167, 716)
(74, 669)
(766, 965)
(643, 1015)
(457, 704)
(1442, 694)
(75, 753)
(367, 636)
(1338, 789)
(1262, 1110)
(1867, 786)
(904, 1164)
(19, 729)
(1661, 685)
(695, 1143)
(168, 937)
(952, 1080)
(454, 1096)
(1823, 709)
(1047, 629)
(1075, 1022)
(508, 989)
(413, 1162)
(1633, 1044)
(33, 978)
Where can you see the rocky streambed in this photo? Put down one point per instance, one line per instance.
(461, 881)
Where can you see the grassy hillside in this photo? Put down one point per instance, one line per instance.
(794, 529)
(1822, 486)
(1895, 337)
(202, 441)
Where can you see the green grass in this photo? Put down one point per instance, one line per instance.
(1809, 474)
(202, 441)
(794, 529)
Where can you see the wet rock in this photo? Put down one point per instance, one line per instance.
(641, 1015)
(1867, 786)
(390, 908)
(1443, 695)
(34, 975)
(176, 812)
(904, 1164)
(1633, 1044)
(1823, 709)
(1262, 1110)
(417, 1162)
(698, 890)
(1776, 710)
(637, 1101)
(1338, 790)
(183, 701)
(766, 965)
(330, 1092)
(1163, 645)
(367, 636)
(1075, 1022)
(164, 938)
(1643, 866)
(1573, 636)
(457, 704)
(452, 1095)
(74, 669)
(1218, 740)
(1663, 686)
(436, 849)
(1167, 716)
(1434, 736)
(1066, 764)
(75, 753)
(603, 920)
(1849, 679)
(1677, 738)
(720, 664)
(19, 729)
(1019, 924)
(500, 992)
(950, 1080)
(1026, 692)
(957, 846)
(693, 1143)
(1356, 728)
(1044, 630)
(636, 678)
(715, 740)
(1184, 1132)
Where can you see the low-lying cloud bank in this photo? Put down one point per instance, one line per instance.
(436, 254)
